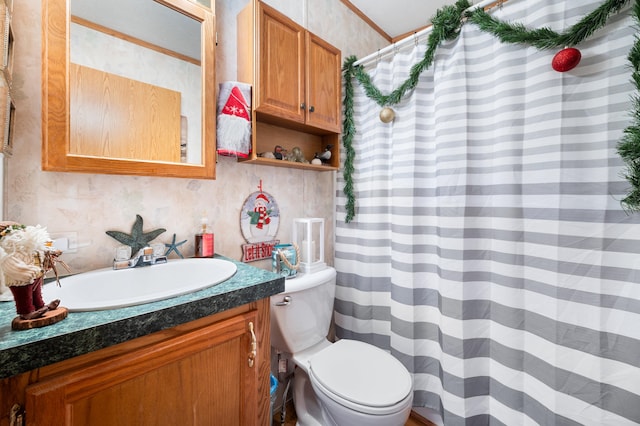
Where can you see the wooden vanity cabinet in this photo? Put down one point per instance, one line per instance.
(198, 373)
(296, 84)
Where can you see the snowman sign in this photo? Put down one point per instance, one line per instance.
(259, 221)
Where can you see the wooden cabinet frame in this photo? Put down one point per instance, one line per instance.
(296, 86)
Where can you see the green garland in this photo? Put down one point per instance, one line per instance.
(446, 26)
(629, 146)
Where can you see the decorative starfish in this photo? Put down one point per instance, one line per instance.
(174, 247)
(137, 239)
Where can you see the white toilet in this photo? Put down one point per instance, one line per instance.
(347, 383)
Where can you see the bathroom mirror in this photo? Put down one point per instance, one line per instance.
(133, 105)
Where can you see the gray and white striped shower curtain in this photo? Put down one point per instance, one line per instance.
(489, 251)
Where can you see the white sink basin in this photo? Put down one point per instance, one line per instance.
(109, 289)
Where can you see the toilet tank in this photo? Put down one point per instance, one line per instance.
(301, 315)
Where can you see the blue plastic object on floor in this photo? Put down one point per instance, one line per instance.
(274, 387)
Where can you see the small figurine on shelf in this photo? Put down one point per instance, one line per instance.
(25, 257)
(279, 152)
(296, 156)
(325, 156)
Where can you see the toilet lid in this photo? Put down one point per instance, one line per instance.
(361, 373)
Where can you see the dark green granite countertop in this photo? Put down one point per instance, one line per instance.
(84, 332)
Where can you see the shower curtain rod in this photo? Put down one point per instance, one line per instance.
(392, 48)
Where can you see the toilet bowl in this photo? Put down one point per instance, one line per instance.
(359, 384)
(346, 383)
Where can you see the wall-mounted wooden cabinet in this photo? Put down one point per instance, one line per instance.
(296, 86)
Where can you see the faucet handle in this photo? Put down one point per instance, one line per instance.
(158, 249)
(158, 253)
(122, 253)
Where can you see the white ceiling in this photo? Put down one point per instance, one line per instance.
(399, 17)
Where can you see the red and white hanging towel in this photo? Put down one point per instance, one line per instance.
(234, 119)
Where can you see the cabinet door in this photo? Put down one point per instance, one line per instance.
(323, 85)
(199, 378)
(281, 62)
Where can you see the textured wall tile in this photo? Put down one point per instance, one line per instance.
(91, 204)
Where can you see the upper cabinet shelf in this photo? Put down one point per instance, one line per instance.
(296, 86)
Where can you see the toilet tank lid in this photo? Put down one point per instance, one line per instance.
(304, 281)
(361, 373)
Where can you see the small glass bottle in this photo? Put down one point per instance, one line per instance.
(204, 240)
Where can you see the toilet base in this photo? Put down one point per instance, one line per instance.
(308, 411)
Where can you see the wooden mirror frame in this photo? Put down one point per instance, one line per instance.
(55, 101)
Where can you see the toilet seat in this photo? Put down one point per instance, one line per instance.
(361, 377)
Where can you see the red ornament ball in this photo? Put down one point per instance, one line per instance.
(566, 59)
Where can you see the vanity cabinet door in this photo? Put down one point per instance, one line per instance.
(202, 377)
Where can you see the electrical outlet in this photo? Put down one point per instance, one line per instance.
(61, 244)
(67, 242)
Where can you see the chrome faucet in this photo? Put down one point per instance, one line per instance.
(144, 257)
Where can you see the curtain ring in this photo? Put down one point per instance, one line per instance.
(415, 39)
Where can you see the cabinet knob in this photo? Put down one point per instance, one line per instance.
(311, 108)
(302, 106)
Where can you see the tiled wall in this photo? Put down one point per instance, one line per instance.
(90, 204)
